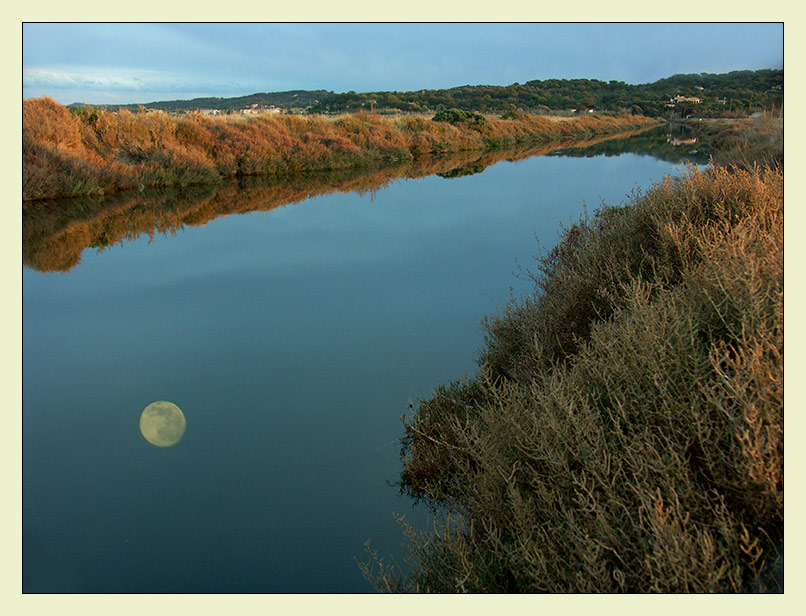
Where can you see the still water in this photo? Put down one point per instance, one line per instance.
(292, 338)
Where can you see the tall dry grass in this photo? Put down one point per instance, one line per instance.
(90, 151)
(624, 431)
(744, 142)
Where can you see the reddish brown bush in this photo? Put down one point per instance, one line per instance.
(93, 150)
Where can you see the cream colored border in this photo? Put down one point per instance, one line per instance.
(13, 602)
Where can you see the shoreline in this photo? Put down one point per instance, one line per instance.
(624, 429)
(55, 232)
(81, 152)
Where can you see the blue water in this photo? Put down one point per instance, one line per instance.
(293, 341)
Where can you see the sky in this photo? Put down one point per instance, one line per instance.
(119, 63)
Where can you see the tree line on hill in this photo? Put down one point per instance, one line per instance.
(737, 93)
(292, 100)
(702, 94)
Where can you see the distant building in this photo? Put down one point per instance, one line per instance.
(686, 99)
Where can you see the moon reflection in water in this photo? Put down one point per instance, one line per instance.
(162, 424)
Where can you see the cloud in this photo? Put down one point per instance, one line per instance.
(110, 78)
(93, 79)
(102, 84)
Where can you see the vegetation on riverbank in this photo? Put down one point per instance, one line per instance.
(56, 232)
(742, 142)
(85, 151)
(624, 430)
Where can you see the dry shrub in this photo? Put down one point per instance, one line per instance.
(49, 169)
(121, 149)
(46, 121)
(744, 143)
(624, 432)
(58, 253)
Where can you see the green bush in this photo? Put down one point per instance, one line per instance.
(458, 116)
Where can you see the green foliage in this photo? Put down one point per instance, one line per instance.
(658, 143)
(457, 116)
(736, 92)
(86, 113)
(460, 172)
(741, 91)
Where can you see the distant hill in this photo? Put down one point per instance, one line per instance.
(702, 94)
(298, 100)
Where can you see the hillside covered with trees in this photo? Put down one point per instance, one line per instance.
(737, 93)
(704, 94)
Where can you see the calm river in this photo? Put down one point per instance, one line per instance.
(292, 337)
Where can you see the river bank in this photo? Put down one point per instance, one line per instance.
(55, 232)
(744, 142)
(83, 151)
(624, 429)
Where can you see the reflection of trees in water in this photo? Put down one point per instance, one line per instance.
(55, 233)
(671, 143)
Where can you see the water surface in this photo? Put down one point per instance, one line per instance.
(292, 338)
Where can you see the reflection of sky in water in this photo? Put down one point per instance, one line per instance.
(681, 168)
(297, 336)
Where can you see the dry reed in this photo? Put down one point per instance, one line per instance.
(90, 151)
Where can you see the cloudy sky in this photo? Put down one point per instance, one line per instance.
(145, 62)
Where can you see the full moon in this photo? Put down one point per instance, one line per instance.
(162, 424)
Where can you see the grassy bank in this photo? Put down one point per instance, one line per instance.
(624, 430)
(744, 142)
(55, 233)
(73, 152)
